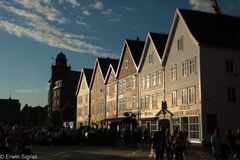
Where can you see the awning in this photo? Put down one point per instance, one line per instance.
(163, 112)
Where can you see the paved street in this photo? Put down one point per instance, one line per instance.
(120, 152)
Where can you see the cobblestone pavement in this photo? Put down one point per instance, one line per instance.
(119, 152)
(193, 152)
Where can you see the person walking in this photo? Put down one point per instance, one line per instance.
(216, 144)
(159, 143)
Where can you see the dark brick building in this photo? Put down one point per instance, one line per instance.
(62, 89)
(9, 111)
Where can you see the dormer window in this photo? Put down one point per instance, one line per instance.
(126, 64)
(180, 44)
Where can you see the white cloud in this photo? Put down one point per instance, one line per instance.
(107, 12)
(86, 12)
(74, 3)
(51, 13)
(127, 8)
(81, 23)
(98, 6)
(202, 5)
(33, 90)
(37, 28)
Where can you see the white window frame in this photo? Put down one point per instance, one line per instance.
(124, 85)
(185, 68)
(174, 98)
(191, 95)
(148, 81)
(126, 64)
(180, 44)
(159, 77)
(174, 72)
(154, 79)
(150, 58)
(133, 82)
(134, 103)
(184, 96)
(192, 66)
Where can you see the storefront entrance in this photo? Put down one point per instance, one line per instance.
(190, 125)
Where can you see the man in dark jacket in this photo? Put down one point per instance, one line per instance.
(159, 142)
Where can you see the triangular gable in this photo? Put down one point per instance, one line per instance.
(110, 68)
(87, 73)
(94, 72)
(79, 82)
(149, 39)
(126, 46)
(171, 35)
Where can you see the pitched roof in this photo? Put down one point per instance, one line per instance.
(113, 66)
(88, 74)
(209, 28)
(159, 41)
(136, 48)
(104, 64)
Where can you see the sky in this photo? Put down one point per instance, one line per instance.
(33, 32)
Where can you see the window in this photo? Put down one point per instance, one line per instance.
(142, 103)
(174, 72)
(154, 79)
(229, 66)
(180, 44)
(231, 94)
(124, 105)
(176, 123)
(191, 95)
(193, 127)
(155, 101)
(126, 64)
(120, 87)
(115, 105)
(124, 85)
(92, 97)
(115, 89)
(185, 69)
(147, 99)
(101, 93)
(107, 90)
(174, 98)
(192, 65)
(159, 77)
(143, 82)
(133, 82)
(120, 105)
(134, 102)
(184, 96)
(150, 58)
(148, 81)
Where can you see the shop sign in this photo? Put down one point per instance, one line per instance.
(186, 112)
(147, 114)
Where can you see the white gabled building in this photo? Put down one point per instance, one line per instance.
(202, 73)
(151, 80)
(83, 98)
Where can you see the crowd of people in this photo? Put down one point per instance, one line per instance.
(173, 144)
(224, 147)
(15, 139)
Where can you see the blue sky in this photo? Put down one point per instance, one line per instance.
(34, 31)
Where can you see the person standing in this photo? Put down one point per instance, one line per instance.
(159, 141)
(179, 143)
(216, 144)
